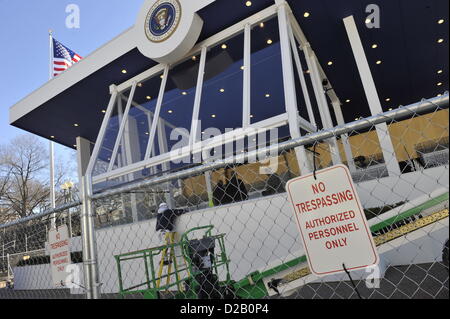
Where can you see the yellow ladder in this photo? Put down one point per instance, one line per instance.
(169, 250)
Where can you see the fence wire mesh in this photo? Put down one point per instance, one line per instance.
(230, 232)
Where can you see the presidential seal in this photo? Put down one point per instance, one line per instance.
(162, 20)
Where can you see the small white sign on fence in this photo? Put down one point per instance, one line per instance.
(331, 220)
(59, 248)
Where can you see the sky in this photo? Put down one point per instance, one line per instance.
(24, 46)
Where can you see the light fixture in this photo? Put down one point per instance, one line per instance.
(330, 63)
(170, 111)
(347, 101)
(242, 67)
(439, 71)
(147, 133)
(390, 109)
(74, 145)
(261, 25)
(194, 58)
(267, 95)
(306, 14)
(379, 62)
(374, 46)
(103, 111)
(52, 137)
(248, 3)
(148, 97)
(441, 21)
(439, 84)
(269, 41)
(139, 85)
(368, 21)
(440, 40)
(251, 116)
(76, 125)
(213, 116)
(162, 76)
(124, 71)
(222, 90)
(184, 93)
(224, 46)
(388, 99)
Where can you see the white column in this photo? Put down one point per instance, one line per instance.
(321, 99)
(163, 149)
(344, 138)
(372, 96)
(289, 87)
(246, 111)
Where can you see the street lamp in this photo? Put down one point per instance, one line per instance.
(67, 186)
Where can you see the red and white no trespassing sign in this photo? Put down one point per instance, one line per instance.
(59, 247)
(331, 220)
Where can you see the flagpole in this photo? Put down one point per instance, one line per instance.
(52, 148)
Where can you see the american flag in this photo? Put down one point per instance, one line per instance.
(63, 58)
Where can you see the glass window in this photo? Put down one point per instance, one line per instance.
(267, 92)
(222, 94)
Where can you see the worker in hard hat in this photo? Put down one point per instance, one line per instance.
(165, 224)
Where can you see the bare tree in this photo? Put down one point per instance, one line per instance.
(24, 177)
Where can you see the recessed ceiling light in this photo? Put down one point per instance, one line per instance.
(213, 116)
(124, 71)
(441, 21)
(139, 85)
(374, 46)
(251, 116)
(76, 125)
(439, 84)
(242, 67)
(379, 62)
(388, 99)
(184, 93)
(52, 136)
(330, 63)
(222, 90)
(267, 95)
(440, 40)
(307, 71)
(103, 111)
(347, 101)
(390, 109)
(194, 58)
(439, 95)
(170, 111)
(439, 71)
(248, 3)
(161, 76)
(74, 146)
(368, 21)
(146, 133)
(269, 41)
(148, 97)
(306, 14)
(261, 25)
(224, 46)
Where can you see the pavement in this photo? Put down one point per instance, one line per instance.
(425, 281)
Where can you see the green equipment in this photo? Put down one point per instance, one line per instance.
(188, 269)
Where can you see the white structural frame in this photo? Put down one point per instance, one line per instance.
(373, 98)
(291, 117)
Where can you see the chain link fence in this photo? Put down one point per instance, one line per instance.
(234, 233)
